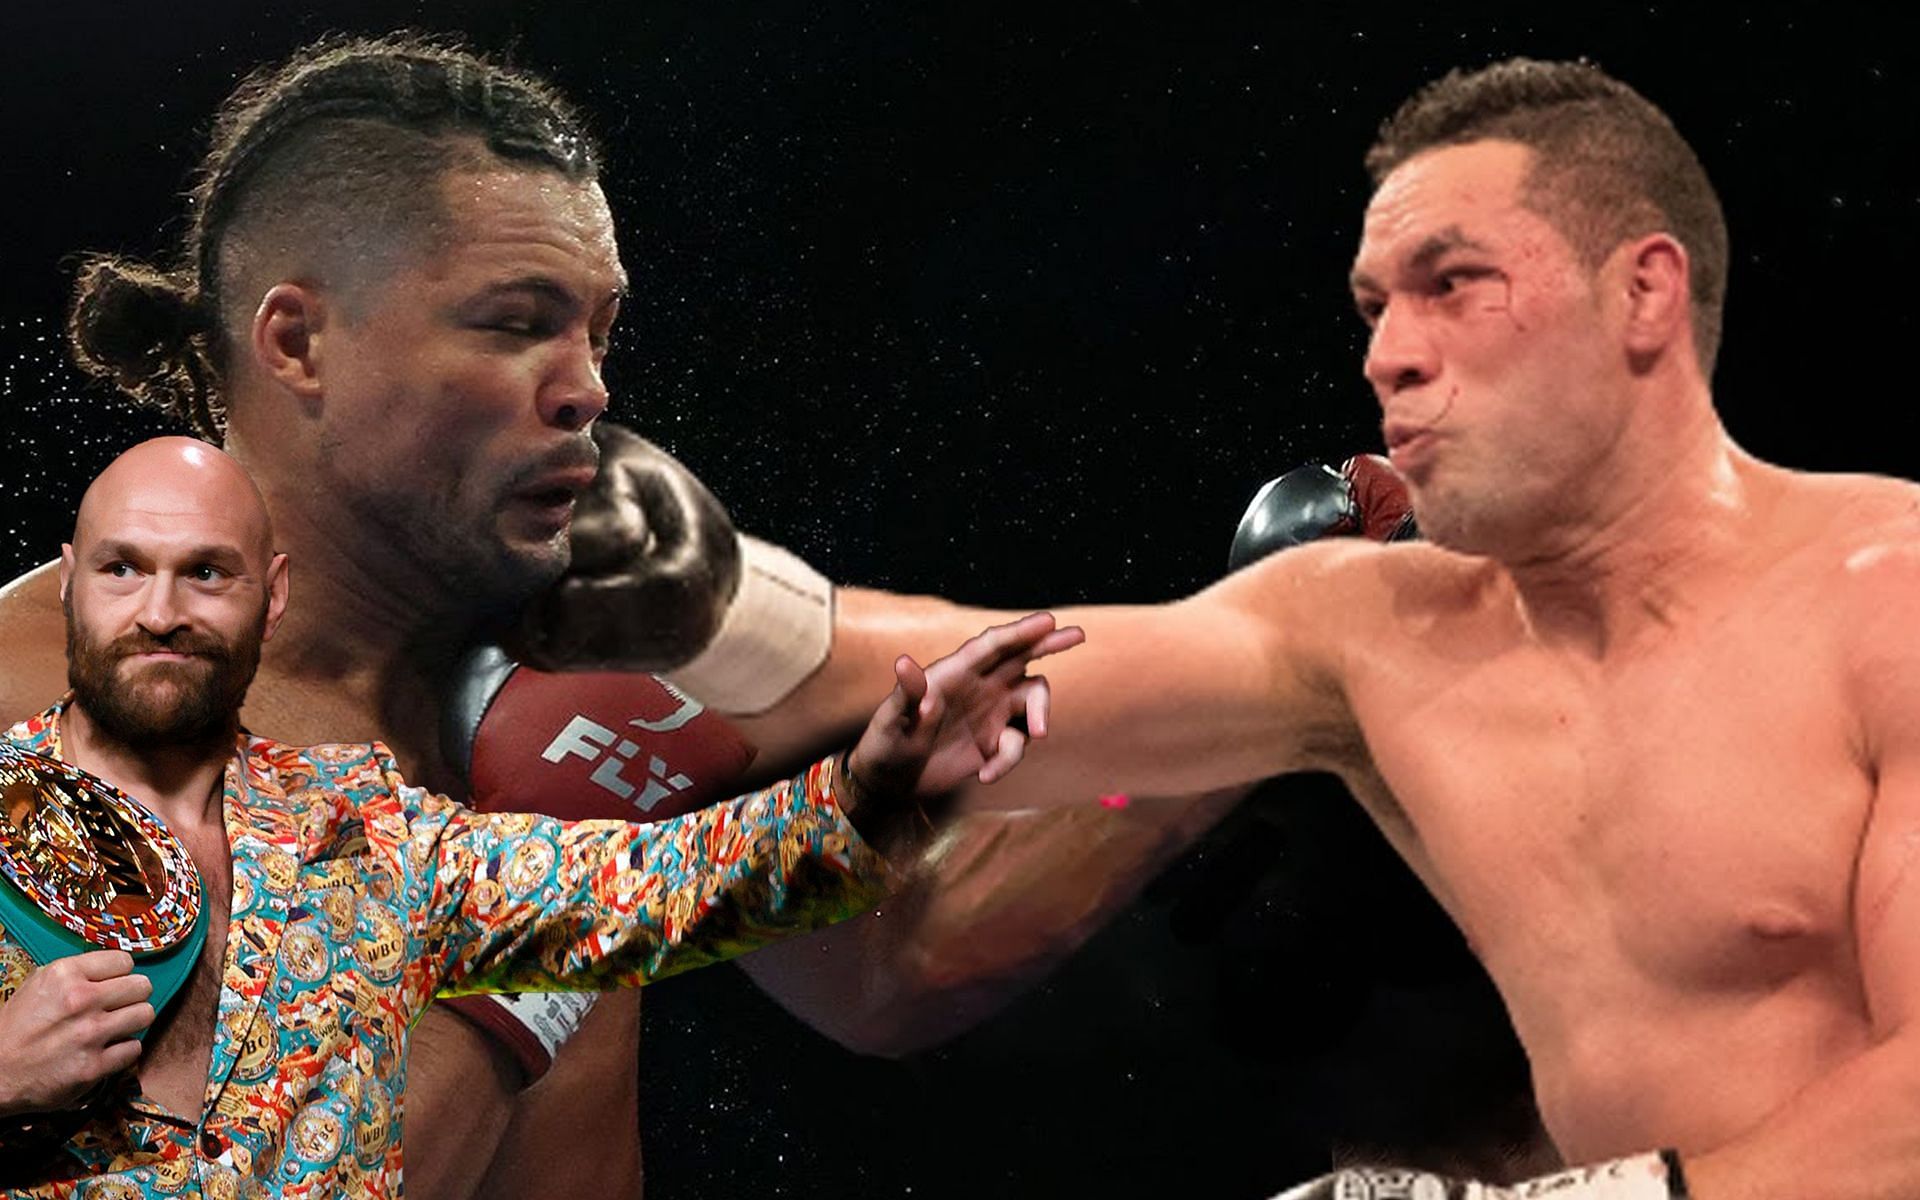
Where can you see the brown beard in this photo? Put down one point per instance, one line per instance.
(200, 707)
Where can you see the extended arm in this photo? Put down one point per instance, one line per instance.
(1219, 689)
(1228, 686)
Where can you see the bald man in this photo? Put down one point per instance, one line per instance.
(158, 674)
(340, 900)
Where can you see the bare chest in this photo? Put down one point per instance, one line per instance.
(1690, 823)
(179, 1046)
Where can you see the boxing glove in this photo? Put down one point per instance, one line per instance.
(659, 581)
(581, 744)
(1366, 497)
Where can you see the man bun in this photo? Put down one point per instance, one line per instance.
(145, 331)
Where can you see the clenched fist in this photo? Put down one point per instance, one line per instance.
(660, 581)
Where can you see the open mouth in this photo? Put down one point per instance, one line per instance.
(556, 488)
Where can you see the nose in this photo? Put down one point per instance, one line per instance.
(574, 392)
(160, 610)
(1401, 353)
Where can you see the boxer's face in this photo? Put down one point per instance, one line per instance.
(457, 401)
(168, 595)
(1492, 353)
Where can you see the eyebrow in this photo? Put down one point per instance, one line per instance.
(1424, 255)
(219, 555)
(550, 289)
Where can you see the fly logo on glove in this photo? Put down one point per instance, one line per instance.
(500, 730)
(586, 738)
(586, 744)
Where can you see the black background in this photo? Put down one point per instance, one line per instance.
(1019, 303)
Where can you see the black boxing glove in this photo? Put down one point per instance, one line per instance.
(1366, 497)
(1651, 1176)
(660, 581)
(629, 747)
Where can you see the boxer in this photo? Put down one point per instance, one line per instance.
(1640, 711)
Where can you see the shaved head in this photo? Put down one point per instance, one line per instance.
(170, 586)
(181, 479)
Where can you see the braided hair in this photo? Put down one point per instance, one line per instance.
(329, 155)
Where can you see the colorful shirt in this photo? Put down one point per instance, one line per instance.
(357, 898)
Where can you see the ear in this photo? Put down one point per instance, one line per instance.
(1659, 299)
(289, 337)
(66, 569)
(276, 595)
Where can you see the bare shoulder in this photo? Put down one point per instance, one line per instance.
(37, 591)
(1344, 582)
(1867, 528)
(1879, 497)
(33, 644)
(1322, 612)
(1858, 583)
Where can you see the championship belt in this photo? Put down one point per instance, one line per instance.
(87, 867)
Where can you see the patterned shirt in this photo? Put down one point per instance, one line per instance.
(357, 898)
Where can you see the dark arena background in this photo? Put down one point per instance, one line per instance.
(1019, 303)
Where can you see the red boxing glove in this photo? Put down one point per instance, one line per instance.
(580, 745)
(587, 744)
(1380, 498)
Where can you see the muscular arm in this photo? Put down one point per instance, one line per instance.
(1227, 686)
(1177, 704)
(1854, 1133)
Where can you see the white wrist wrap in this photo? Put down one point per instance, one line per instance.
(1641, 1177)
(1650, 1176)
(530, 1027)
(776, 632)
(552, 1017)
